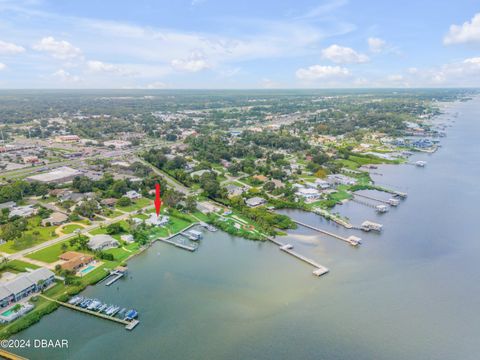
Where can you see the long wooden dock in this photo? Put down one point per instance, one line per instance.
(128, 324)
(10, 356)
(116, 275)
(319, 269)
(372, 198)
(352, 240)
(182, 246)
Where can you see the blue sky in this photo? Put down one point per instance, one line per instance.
(244, 44)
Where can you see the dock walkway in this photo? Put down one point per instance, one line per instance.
(319, 269)
(128, 324)
(352, 240)
(4, 354)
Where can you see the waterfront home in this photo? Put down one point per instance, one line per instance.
(74, 260)
(155, 220)
(55, 219)
(102, 242)
(24, 285)
(322, 184)
(340, 179)
(308, 195)
(132, 195)
(255, 201)
(127, 238)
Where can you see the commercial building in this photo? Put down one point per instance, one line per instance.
(59, 175)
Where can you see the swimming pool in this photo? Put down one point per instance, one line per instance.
(87, 269)
(9, 312)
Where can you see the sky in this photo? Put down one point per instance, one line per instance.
(219, 44)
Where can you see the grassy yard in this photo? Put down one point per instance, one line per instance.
(51, 253)
(136, 205)
(68, 229)
(38, 232)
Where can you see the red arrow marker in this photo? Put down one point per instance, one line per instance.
(158, 201)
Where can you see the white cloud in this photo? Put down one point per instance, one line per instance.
(59, 49)
(468, 32)
(316, 72)
(156, 85)
(65, 76)
(2, 66)
(193, 63)
(376, 45)
(96, 66)
(270, 84)
(343, 55)
(7, 48)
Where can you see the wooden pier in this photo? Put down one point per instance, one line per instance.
(116, 275)
(128, 324)
(372, 198)
(181, 246)
(4, 354)
(352, 240)
(319, 269)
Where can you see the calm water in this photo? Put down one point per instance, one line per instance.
(409, 293)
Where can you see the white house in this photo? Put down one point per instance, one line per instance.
(132, 195)
(255, 201)
(155, 220)
(102, 242)
(308, 195)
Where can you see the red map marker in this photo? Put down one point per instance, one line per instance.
(158, 201)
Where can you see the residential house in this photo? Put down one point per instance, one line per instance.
(132, 195)
(102, 242)
(55, 219)
(22, 211)
(255, 201)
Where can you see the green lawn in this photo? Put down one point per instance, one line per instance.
(40, 234)
(51, 253)
(68, 229)
(136, 205)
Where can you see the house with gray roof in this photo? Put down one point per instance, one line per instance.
(102, 242)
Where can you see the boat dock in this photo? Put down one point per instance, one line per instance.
(181, 246)
(392, 202)
(128, 324)
(8, 355)
(352, 240)
(319, 269)
(116, 275)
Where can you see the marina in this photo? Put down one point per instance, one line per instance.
(102, 310)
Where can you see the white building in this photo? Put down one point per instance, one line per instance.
(308, 195)
(255, 201)
(132, 195)
(341, 179)
(22, 211)
(155, 220)
(102, 242)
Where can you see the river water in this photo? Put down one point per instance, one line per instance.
(410, 292)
